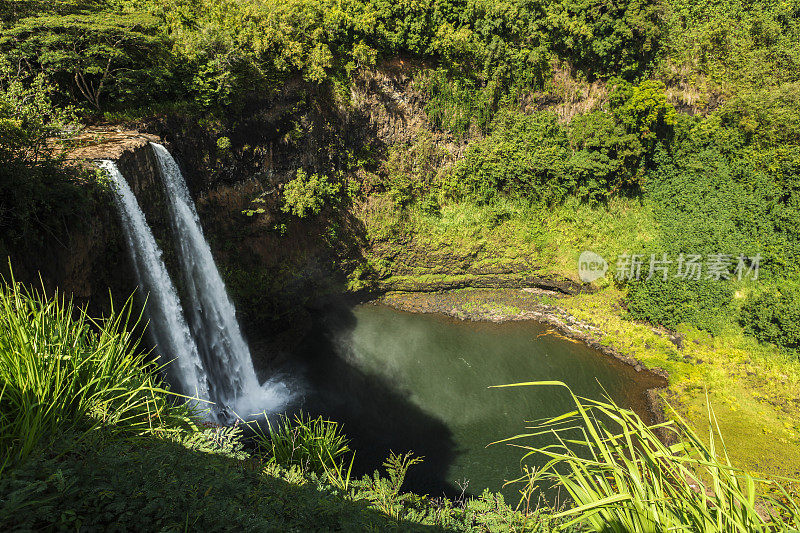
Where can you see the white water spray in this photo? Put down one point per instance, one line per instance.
(226, 357)
(167, 325)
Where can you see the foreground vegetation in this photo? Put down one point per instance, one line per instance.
(91, 439)
(123, 452)
(622, 477)
(78, 376)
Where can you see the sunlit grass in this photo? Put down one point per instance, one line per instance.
(512, 230)
(63, 372)
(621, 476)
(753, 387)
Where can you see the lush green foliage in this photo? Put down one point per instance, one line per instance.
(37, 194)
(606, 38)
(217, 52)
(63, 373)
(595, 156)
(735, 44)
(622, 476)
(27, 116)
(703, 303)
(307, 195)
(525, 157)
(774, 318)
(314, 444)
(98, 53)
(90, 441)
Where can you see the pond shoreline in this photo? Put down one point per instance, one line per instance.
(529, 303)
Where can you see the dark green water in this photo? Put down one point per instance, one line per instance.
(419, 382)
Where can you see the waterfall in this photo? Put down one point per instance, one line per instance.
(167, 324)
(224, 352)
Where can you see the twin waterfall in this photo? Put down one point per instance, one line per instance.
(167, 324)
(210, 358)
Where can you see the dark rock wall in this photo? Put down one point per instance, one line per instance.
(91, 263)
(88, 264)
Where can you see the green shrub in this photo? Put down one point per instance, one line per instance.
(702, 303)
(766, 117)
(314, 444)
(455, 103)
(385, 492)
(774, 317)
(430, 206)
(607, 159)
(596, 156)
(601, 37)
(523, 158)
(412, 170)
(307, 195)
(644, 111)
(224, 144)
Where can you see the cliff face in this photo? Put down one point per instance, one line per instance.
(139, 165)
(276, 266)
(89, 260)
(83, 262)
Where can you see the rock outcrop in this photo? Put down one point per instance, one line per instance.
(88, 261)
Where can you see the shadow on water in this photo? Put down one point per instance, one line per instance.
(376, 415)
(403, 382)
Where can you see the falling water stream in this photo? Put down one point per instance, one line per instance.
(226, 357)
(211, 358)
(167, 324)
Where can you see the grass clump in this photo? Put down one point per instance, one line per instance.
(63, 372)
(314, 444)
(621, 475)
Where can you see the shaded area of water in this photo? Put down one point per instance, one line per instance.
(401, 381)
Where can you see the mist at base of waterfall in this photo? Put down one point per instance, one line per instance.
(252, 404)
(226, 356)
